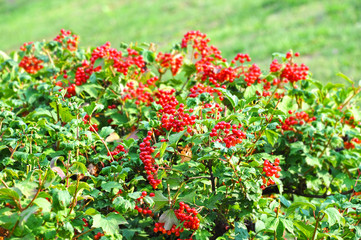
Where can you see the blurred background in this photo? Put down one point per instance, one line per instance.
(327, 33)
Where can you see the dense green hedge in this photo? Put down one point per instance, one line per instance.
(139, 144)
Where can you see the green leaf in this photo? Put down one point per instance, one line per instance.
(287, 104)
(106, 131)
(241, 231)
(295, 205)
(110, 223)
(90, 88)
(174, 138)
(188, 198)
(313, 161)
(232, 98)
(307, 230)
(44, 204)
(91, 212)
(250, 91)
(159, 200)
(64, 112)
(78, 167)
(356, 112)
(345, 77)
(7, 193)
(109, 186)
(280, 229)
(169, 219)
(271, 136)
(333, 216)
(162, 149)
(189, 69)
(285, 202)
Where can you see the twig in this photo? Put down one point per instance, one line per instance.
(83, 233)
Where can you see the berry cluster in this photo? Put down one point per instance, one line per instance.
(275, 66)
(252, 75)
(178, 121)
(167, 100)
(67, 39)
(145, 209)
(146, 156)
(201, 88)
(300, 118)
(350, 120)
(270, 170)
(186, 215)
(83, 73)
(31, 64)
(351, 144)
(92, 127)
(98, 236)
(227, 133)
(70, 91)
(24, 46)
(117, 150)
(113, 106)
(168, 60)
(213, 109)
(140, 93)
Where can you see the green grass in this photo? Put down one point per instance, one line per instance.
(327, 33)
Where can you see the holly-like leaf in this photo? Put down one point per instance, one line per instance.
(169, 219)
(109, 224)
(159, 201)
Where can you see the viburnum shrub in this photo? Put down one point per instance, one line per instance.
(131, 143)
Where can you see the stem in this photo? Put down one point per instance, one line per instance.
(318, 219)
(83, 233)
(38, 191)
(75, 193)
(102, 140)
(212, 178)
(349, 99)
(17, 145)
(185, 83)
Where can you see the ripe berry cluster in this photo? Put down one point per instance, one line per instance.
(201, 88)
(178, 121)
(146, 156)
(167, 100)
(113, 106)
(168, 60)
(98, 236)
(252, 75)
(92, 127)
(350, 144)
(67, 39)
(31, 64)
(117, 150)
(270, 170)
(186, 215)
(350, 121)
(300, 118)
(159, 227)
(145, 209)
(227, 133)
(140, 93)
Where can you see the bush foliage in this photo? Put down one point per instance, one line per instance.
(139, 144)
